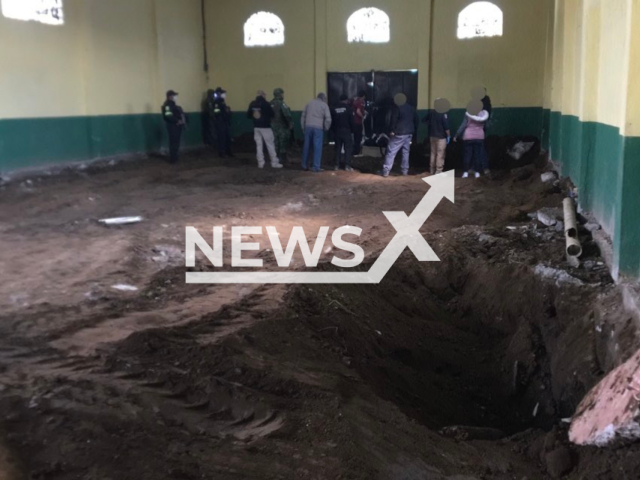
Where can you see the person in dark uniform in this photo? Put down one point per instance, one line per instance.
(222, 122)
(175, 120)
(208, 127)
(343, 124)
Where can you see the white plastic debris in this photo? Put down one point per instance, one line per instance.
(121, 220)
(559, 277)
(549, 216)
(520, 149)
(294, 207)
(125, 288)
(548, 177)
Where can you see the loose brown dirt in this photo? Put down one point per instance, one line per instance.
(457, 370)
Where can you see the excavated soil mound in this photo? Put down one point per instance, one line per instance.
(466, 369)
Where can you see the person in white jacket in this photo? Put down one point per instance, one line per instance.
(472, 133)
(316, 119)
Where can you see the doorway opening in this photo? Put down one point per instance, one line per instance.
(381, 87)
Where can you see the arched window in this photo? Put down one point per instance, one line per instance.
(43, 11)
(369, 25)
(263, 29)
(480, 19)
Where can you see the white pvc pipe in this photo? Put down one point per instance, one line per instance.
(574, 249)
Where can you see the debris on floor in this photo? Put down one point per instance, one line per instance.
(610, 413)
(520, 149)
(125, 288)
(459, 369)
(560, 277)
(549, 216)
(121, 220)
(168, 255)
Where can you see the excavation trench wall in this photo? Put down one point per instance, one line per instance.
(464, 342)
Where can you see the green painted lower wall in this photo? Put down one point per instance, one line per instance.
(628, 234)
(505, 121)
(605, 166)
(44, 141)
(511, 121)
(41, 141)
(546, 128)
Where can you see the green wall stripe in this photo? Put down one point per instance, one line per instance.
(605, 166)
(41, 141)
(514, 121)
(628, 245)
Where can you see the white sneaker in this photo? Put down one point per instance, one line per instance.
(277, 165)
(261, 165)
(465, 175)
(477, 174)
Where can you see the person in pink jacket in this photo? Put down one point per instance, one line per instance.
(472, 133)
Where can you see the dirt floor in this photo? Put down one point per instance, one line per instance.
(459, 370)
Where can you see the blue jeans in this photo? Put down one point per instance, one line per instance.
(397, 143)
(313, 136)
(475, 156)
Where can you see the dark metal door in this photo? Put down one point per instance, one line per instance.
(381, 87)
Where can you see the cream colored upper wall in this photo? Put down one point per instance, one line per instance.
(511, 67)
(593, 60)
(41, 67)
(109, 57)
(181, 51)
(120, 56)
(547, 101)
(572, 48)
(242, 70)
(632, 121)
(614, 58)
(558, 57)
(588, 80)
(401, 53)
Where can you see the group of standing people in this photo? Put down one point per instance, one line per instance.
(472, 133)
(346, 120)
(273, 129)
(272, 125)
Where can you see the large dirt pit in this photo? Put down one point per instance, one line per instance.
(466, 369)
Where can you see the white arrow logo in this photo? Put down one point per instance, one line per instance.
(407, 235)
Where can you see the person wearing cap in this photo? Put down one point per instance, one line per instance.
(210, 136)
(175, 120)
(343, 124)
(403, 125)
(316, 119)
(222, 122)
(261, 112)
(282, 123)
